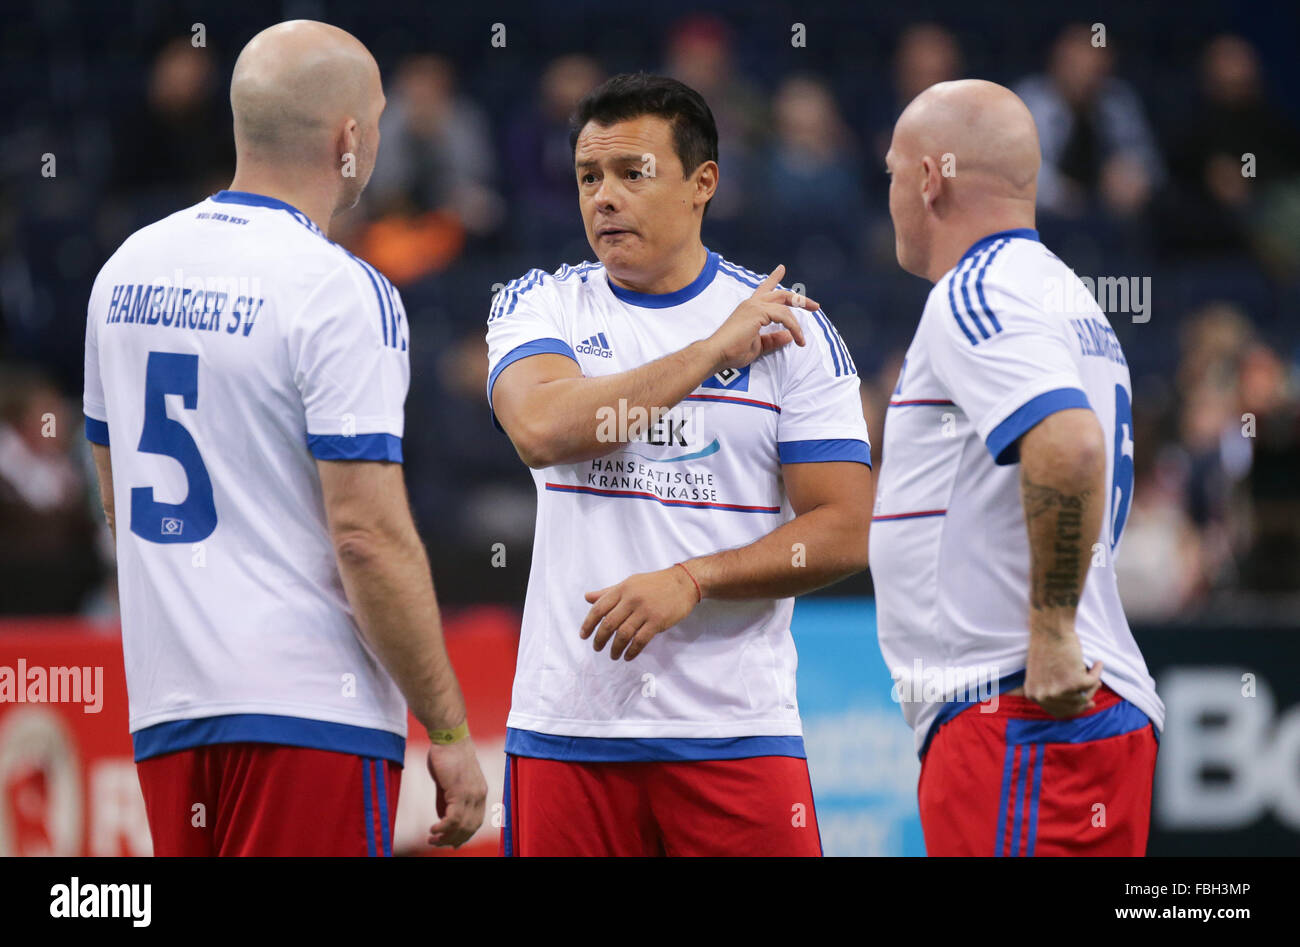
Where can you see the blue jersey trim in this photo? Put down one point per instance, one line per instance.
(96, 431)
(737, 273)
(254, 200)
(355, 447)
(676, 298)
(535, 347)
(550, 746)
(1002, 439)
(385, 318)
(956, 313)
(821, 451)
(965, 295)
(268, 728)
(979, 286)
(1024, 233)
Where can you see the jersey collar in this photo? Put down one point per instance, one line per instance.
(676, 298)
(254, 200)
(1025, 233)
(261, 200)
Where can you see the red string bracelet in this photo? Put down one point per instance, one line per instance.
(699, 596)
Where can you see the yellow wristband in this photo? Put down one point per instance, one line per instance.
(447, 737)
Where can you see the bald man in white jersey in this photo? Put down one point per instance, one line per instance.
(1007, 471)
(278, 615)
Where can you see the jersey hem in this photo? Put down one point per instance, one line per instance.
(551, 746)
(650, 729)
(175, 735)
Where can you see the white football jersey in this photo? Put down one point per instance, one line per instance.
(1008, 337)
(226, 347)
(707, 477)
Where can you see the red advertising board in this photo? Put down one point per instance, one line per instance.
(67, 781)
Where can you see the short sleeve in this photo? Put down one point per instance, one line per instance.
(1004, 364)
(821, 404)
(92, 399)
(525, 320)
(348, 348)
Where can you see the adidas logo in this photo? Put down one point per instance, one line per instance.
(597, 345)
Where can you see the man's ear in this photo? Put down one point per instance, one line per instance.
(706, 182)
(349, 138)
(931, 183)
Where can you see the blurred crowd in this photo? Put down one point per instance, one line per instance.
(1188, 173)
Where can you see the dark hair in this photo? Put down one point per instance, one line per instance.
(631, 95)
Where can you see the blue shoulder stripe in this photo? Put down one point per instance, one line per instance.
(391, 336)
(965, 295)
(402, 328)
(734, 272)
(747, 272)
(952, 304)
(979, 285)
(534, 278)
(835, 356)
(844, 364)
(509, 294)
(379, 295)
(850, 367)
(393, 318)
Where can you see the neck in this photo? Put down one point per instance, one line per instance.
(953, 240)
(304, 193)
(677, 272)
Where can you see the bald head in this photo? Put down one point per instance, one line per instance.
(964, 154)
(299, 89)
(984, 126)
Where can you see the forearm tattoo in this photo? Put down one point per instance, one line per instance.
(1058, 551)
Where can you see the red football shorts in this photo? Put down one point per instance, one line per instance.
(268, 799)
(757, 806)
(1018, 781)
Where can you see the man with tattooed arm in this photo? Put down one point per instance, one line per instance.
(1007, 477)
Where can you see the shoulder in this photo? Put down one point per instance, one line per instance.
(1009, 265)
(823, 341)
(1009, 282)
(163, 232)
(737, 279)
(539, 289)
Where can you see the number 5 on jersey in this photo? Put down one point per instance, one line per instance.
(193, 519)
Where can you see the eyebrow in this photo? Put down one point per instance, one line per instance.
(618, 159)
